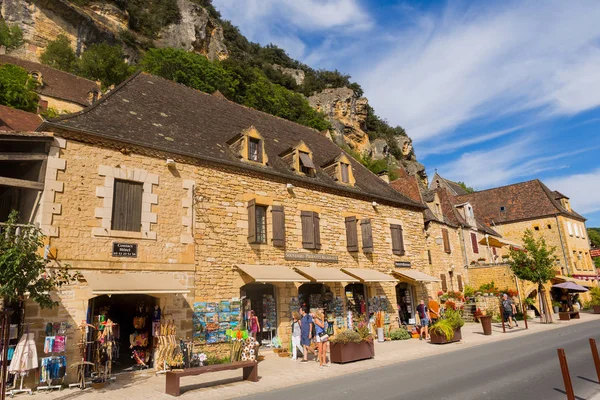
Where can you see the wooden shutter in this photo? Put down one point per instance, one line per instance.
(260, 151)
(446, 240)
(127, 206)
(308, 230)
(252, 221)
(474, 243)
(367, 235)
(459, 281)
(317, 229)
(494, 251)
(397, 240)
(345, 175)
(278, 217)
(429, 257)
(351, 234)
(444, 284)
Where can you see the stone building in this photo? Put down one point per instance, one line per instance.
(65, 92)
(163, 195)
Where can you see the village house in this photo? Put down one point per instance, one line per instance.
(163, 196)
(62, 91)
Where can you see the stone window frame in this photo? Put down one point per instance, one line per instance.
(334, 170)
(106, 192)
(240, 145)
(292, 158)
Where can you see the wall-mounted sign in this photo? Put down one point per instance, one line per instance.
(310, 257)
(595, 253)
(124, 250)
(402, 264)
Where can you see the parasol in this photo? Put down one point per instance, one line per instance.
(570, 286)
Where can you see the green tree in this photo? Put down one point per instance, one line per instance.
(10, 36)
(104, 63)
(23, 270)
(594, 236)
(535, 263)
(59, 54)
(17, 88)
(468, 189)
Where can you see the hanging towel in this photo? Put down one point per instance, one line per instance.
(49, 344)
(25, 356)
(60, 344)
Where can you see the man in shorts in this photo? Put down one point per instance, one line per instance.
(507, 306)
(424, 317)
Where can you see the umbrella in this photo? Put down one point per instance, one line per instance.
(570, 286)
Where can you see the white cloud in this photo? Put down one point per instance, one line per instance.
(581, 188)
(486, 62)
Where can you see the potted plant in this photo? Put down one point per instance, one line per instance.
(556, 306)
(595, 301)
(529, 303)
(349, 345)
(447, 328)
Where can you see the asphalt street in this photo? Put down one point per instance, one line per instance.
(524, 368)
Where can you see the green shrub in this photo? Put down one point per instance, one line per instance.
(11, 36)
(17, 88)
(346, 336)
(595, 300)
(59, 54)
(104, 63)
(454, 318)
(399, 334)
(469, 291)
(443, 327)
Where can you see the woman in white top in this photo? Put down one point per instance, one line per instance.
(296, 335)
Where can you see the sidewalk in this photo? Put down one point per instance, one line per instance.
(276, 372)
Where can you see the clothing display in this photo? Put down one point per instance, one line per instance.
(53, 368)
(49, 344)
(25, 355)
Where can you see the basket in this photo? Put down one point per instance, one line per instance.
(98, 385)
(277, 350)
(284, 353)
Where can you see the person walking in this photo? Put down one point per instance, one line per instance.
(424, 317)
(254, 325)
(321, 338)
(306, 324)
(296, 336)
(507, 306)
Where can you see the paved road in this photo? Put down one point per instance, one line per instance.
(525, 368)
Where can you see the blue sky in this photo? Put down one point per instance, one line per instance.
(491, 92)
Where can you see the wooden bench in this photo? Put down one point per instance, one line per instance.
(173, 387)
(568, 315)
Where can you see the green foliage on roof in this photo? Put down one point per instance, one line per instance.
(17, 88)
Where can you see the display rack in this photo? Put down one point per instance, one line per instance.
(54, 367)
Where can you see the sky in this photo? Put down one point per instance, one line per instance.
(492, 93)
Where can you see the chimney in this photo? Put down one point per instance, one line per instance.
(384, 176)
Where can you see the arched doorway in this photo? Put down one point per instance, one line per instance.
(260, 298)
(133, 316)
(405, 302)
(534, 299)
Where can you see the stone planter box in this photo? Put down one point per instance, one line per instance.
(441, 339)
(348, 352)
(596, 309)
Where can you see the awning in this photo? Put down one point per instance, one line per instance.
(325, 274)
(271, 273)
(415, 275)
(134, 283)
(498, 242)
(369, 275)
(563, 278)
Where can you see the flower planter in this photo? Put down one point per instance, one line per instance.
(347, 352)
(596, 309)
(486, 324)
(441, 339)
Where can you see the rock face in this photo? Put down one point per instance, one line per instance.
(296, 74)
(409, 160)
(348, 116)
(196, 31)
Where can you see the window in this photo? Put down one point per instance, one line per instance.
(345, 172)
(254, 150)
(470, 211)
(278, 217)
(367, 235)
(257, 223)
(351, 234)
(459, 282)
(397, 240)
(570, 228)
(502, 208)
(446, 241)
(536, 228)
(494, 251)
(438, 209)
(127, 206)
(306, 165)
(311, 235)
(576, 229)
(444, 283)
(549, 226)
(474, 243)
(582, 230)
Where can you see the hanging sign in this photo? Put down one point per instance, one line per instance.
(311, 257)
(402, 264)
(124, 249)
(595, 253)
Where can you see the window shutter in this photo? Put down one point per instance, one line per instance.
(345, 175)
(459, 281)
(278, 217)
(474, 243)
(446, 241)
(570, 228)
(252, 221)
(367, 235)
(260, 151)
(127, 206)
(308, 231)
(494, 251)
(444, 284)
(429, 257)
(351, 234)
(397, 240)
(317, 228)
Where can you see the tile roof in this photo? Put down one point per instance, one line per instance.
(12, 119)
(57, 84)
(407, 184)
(155, 113)
(454, 187)
(520, 201)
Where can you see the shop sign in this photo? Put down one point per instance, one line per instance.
(124, 250)
(595, 253)
(310, 257)
(402, 264)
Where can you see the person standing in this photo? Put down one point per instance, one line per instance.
(254, 325)
(507, 306)
(306, 324)
(296, 336)
(321, 338)
(434, 310)
(424, 317)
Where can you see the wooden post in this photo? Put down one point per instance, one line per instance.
(595, 357)
(525, 315)
(564, 368)
(502, 317)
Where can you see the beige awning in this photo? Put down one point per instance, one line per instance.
(325, 274)
(134, 283)
(415, 275)
(369, 275)
(580, 282)
(498, 242)
(271, 273)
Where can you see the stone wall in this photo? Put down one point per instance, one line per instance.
(442, 262)
(501, 274)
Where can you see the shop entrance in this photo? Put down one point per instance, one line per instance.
(318, 295)
(356, 300)
(132, 315)
(260, 298)
(405, 301)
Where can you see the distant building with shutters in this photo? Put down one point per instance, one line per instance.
(197, 204)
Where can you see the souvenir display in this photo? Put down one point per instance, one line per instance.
(139, 340)
(269, 312)
(54, 367)
(168, 350)
(211, 320)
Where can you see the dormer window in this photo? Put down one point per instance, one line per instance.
(299, 159)
(254, 150)
(249, 146)
(306, 165)
(340, 170)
